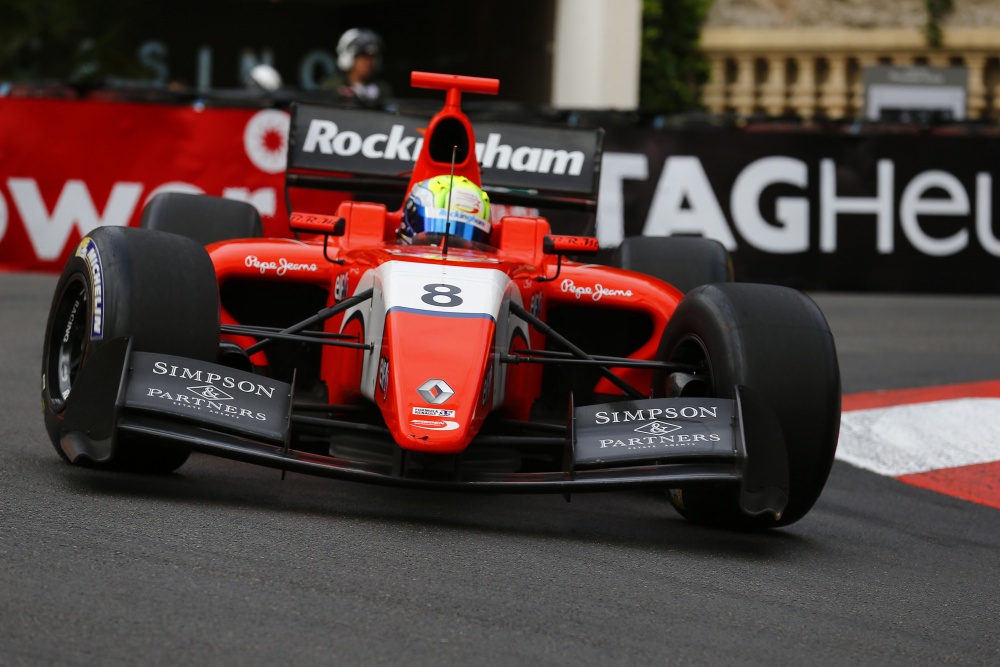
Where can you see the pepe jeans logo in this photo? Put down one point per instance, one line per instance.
(595, 292)
(281, 266)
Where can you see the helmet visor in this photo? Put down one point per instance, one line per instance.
(458, 223)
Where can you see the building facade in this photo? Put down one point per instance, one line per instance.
(805, 58)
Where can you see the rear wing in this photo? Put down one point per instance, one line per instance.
(365, 151)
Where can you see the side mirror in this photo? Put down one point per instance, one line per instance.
(314, 223)
(558, 244)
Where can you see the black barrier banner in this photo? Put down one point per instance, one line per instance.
(814, 210)
(372, 143)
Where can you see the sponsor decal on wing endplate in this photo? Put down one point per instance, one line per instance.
(654, 429)
(216, 395)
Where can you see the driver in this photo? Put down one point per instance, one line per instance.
(451, 204)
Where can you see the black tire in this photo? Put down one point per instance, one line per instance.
(157, 288)
(776, 341)
(685, 262)
(203, 218)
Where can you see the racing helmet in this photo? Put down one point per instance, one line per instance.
(451, 204)
(358, 41)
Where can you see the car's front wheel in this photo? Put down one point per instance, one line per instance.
(775, 341)
(156, 288)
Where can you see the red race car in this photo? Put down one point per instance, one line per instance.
(437, 334)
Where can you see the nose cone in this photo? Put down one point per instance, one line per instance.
(438, 347)
(440, 371)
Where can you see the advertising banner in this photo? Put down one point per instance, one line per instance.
(810, 209)
(68, 166)
(886, 212)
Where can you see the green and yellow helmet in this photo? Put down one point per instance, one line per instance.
(451, 204)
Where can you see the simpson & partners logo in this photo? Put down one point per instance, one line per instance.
(654, 429)
(210, 393)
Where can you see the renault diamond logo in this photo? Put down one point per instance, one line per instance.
(210, 393)
(435, 392)
(658, 428)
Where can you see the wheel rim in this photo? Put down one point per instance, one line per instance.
(68, 341)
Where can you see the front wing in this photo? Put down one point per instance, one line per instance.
(669, 442)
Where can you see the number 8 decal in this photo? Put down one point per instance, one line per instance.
(442, 295)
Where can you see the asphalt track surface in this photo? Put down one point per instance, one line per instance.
(225, 564)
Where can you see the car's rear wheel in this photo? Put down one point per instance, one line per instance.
(683, 261)
(775, 341)
(204, 218)
(158, 289)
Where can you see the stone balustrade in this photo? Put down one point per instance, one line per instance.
(817, 73)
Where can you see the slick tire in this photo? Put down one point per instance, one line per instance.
(203, 218)
(685, 262)
(158, 289)
(776, 341)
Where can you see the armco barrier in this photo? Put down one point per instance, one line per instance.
(823, 210)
